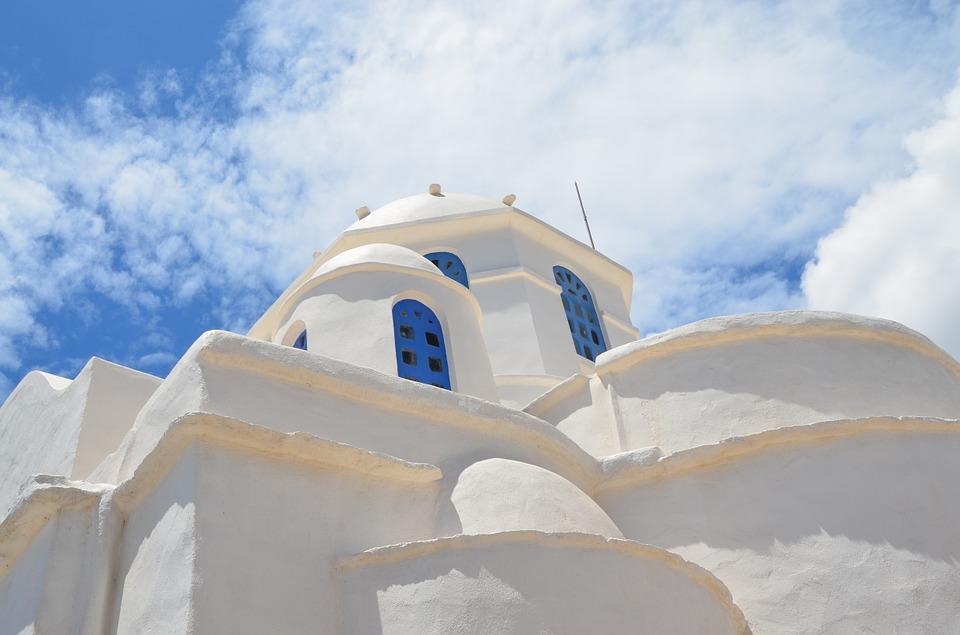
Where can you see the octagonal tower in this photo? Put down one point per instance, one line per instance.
(550, 304)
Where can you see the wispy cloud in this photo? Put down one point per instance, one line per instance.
(897, 253)
(716, 144)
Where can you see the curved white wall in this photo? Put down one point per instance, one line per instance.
(830, 530)
(728, 377)
(525, 582)
(497, 495)
(349, 316)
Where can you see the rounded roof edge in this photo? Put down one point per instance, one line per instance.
(497, 494)
(799, 323)
(420, 207)
(380, 254)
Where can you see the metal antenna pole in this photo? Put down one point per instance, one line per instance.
(585, 221)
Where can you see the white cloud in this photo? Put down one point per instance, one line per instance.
(159, 358)
(897, 254)
(711, 140)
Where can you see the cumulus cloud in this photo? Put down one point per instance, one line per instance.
(714, 142)
(897, 254)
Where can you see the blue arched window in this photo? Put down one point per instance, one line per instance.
(581, 314)
(418, 337)
(301, 341)
(451, 266)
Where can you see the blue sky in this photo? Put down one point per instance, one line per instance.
(168, 167)
(59, 50)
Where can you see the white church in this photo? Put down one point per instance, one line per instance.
(448, 425)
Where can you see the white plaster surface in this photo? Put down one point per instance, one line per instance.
(851, 534)
(421, 207)
(288, 521)
(732, 376)
(290, 390)
(53, 425)
(498, 495)
(158, 556)
(531, 583)
(347, 310)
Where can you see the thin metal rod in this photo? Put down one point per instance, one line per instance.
(585, 221)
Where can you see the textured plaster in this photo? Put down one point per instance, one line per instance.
(498, 495)
(290, 390)
(834, 528)
(53, 425)
(531, 582)
(728, 377)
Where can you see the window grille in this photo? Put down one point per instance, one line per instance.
(581, 314)
(418, 337)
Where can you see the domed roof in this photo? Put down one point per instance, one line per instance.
(496, 495)
(379, 253)
(424, 207)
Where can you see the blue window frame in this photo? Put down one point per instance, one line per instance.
(418, 337)
(301, 341)
(581, 314)
(450, 266)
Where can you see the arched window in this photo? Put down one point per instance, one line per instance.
(451, 266)
(581, 314)
(418, 337)
(301, 341)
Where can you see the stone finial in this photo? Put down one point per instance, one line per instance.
(363, 212)
(434, 189)
(509, 199)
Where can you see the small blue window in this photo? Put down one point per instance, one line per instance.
(301, 341)
(418, 337)
(581, 314)
(451, 266)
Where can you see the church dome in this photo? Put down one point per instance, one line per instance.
(425, 206)
(378, 254)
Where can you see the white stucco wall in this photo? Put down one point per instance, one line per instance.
(157, 569)
(285, 521)
(290, 390)
(349, 316)
(498, 495)
(54, 425)
(527, 582)
(726, 377)
(840, 528)
(49, 546)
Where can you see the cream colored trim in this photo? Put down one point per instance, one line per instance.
(558, 393)
(651, 467)
(46, 495)
(40, 500)
(392, 554)
(426, 403)
(235, 433)
(740, 328)
(295, 298)
(531, 226)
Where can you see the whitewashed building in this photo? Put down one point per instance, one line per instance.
(448, 424)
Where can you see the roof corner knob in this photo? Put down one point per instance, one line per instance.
(363, 212)
(434, 189)
(509, 199)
